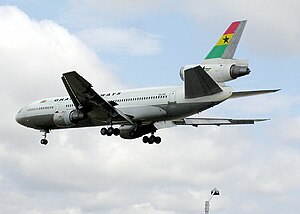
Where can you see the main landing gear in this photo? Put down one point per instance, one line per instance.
(152, 139)
(44, 141)
(110, 131)
(115, 131)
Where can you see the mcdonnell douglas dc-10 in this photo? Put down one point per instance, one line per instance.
(139, 112)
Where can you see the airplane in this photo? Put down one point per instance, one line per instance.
(139, 112)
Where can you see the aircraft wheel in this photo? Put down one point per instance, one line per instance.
(44, 141)
(145, 139)
(157, 140)
(110, 131)
(116, 132)
(152, 138)
(103, 131)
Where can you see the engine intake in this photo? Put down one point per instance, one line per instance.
(182, 70)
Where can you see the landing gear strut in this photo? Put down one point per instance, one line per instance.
(152, 139)
(110, 131)
(44, 141)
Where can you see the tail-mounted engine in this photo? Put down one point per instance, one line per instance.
(67, 118)
(221, 70)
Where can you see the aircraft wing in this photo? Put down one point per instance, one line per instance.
(87, 100)
(216, 121)
(206, 121)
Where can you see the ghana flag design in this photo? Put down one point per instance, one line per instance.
(219, 49)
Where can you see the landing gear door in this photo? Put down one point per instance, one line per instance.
(172, 97)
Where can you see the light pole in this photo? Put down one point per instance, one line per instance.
(215, 191)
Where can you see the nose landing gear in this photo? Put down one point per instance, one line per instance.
(44, 141)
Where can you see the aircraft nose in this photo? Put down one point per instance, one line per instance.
(19, 118)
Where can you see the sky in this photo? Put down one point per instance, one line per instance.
(141, 43)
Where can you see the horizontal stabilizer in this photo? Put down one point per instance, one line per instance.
(240, 94)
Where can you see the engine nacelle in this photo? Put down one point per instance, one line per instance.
(221, 70)
(132, 132)
(67, 118)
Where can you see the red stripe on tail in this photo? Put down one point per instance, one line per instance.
(232, 28)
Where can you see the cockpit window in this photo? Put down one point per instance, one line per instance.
(20, 111)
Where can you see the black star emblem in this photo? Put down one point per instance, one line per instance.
(226, 40)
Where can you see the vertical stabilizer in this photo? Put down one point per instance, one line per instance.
(227, 44)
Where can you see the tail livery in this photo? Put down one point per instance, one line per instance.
(227, 44)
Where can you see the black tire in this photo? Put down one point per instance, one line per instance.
(116, 132)
(157, 140)
(44, 141)
(103, 131)
(145, 139)
(110, 131)
(151, 139)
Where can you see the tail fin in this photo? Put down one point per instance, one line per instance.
(227, 44)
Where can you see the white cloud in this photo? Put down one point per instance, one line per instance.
(120, 7)
(83, 172)
(272, 26)
(110, 39)
(34, 54)
(265, 34)
(287, 130)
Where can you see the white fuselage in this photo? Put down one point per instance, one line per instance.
(146, 105)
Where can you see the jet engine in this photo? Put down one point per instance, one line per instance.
(132, 132)
(183, 69)
(67, 118)
(226, 72)
(221, 70)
